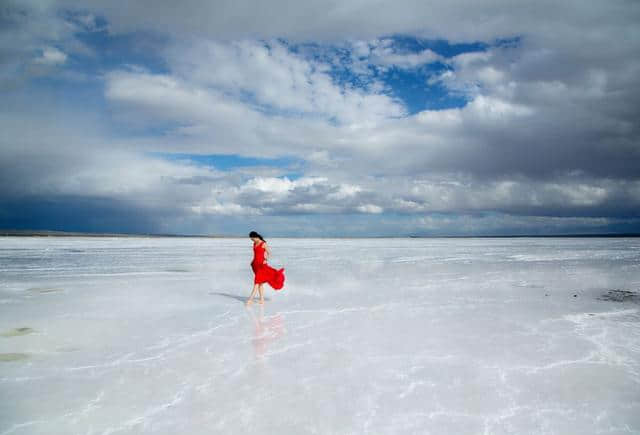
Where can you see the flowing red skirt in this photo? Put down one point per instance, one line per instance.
(265, 273)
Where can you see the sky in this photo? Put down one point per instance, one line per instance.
(320, 118)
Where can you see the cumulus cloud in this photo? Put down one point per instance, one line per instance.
(51, 56)
(383, 52)
(275, 78)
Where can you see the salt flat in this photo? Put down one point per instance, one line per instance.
(377, 336)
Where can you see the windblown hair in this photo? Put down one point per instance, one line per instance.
(254, 234)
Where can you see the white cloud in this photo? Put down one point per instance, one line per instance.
(51, 56)
(272, 76)
(271, 185)
(481, 138)
(496, 108)
(369, 208)
(224, 209)
(384, 53)
(345, 191)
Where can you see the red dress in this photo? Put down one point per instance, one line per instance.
(264, 272)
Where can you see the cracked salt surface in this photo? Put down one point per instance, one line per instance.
(440, 336)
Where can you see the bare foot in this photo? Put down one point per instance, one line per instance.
(249, 302)
(261, 302)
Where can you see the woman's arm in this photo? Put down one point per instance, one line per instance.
(267, 252)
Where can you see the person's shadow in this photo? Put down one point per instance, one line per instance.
(242, 299)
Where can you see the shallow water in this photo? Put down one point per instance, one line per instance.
(440, 336)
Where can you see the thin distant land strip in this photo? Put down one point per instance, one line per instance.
(54, 233)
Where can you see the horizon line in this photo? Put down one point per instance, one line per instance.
(61, 233)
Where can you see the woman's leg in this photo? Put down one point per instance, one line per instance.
(253, 292)
(261, 294)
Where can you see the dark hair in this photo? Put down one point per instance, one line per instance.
(254, 234)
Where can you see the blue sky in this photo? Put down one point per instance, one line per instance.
(433, 121)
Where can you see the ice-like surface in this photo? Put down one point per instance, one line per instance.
(377, 336)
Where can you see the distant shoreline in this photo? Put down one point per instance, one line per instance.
(52, 233)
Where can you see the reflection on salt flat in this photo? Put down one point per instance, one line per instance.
(266, 330)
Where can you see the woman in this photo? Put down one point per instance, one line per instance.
(263, 272)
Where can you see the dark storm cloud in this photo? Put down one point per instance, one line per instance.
(338, 19)
(81, 213)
